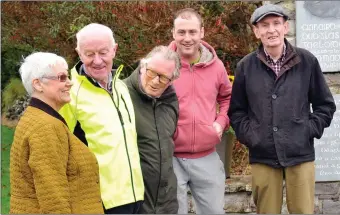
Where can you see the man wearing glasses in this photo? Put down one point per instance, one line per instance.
(156, 109)
(101, 115)
(203, 84)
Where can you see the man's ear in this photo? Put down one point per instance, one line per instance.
(37, 85)
(286, 26)
(142, 66)
(202, 32)
(173, 32)
(256, 32)
(114, 48)
(78, 52)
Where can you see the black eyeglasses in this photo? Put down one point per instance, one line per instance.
(61, 77)
(162, 78)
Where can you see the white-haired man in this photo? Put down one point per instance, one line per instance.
(102, 116)
(156, 108)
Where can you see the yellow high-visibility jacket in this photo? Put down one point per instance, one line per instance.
(106, 123)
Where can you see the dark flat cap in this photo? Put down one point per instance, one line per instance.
(267, 9)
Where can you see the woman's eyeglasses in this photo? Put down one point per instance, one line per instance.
(61, 77)
(162, 78)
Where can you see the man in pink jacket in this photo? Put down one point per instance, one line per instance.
(202, 84)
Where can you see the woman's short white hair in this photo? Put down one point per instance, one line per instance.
(37, 65)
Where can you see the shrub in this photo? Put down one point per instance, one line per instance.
(11, 57)
(13, 91)
(138, 26)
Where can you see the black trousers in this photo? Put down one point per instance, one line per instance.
(132, 208)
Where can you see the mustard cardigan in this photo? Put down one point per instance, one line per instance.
(51, 170)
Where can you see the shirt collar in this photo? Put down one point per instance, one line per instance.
(95, 81)
(282, 56)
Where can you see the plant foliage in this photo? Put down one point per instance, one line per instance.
(138, 27)
(13, 91)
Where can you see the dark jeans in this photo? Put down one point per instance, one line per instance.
(132, 208)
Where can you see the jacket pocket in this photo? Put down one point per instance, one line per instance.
(206, 137)
(311, 130)
(183, 138)
(203, 138)
(252, 136)
(299, 141)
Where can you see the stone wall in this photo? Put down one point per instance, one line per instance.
(238, 198)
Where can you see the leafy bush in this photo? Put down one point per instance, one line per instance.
(13, 91)
(138, 27)
(11, 57)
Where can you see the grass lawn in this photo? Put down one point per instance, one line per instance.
(6, 141)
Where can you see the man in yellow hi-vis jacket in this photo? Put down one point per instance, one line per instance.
(102, 116)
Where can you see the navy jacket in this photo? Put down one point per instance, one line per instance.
(272, 115)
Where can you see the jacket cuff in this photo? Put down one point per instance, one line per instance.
(223, 121)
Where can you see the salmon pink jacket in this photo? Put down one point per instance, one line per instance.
(199, 88)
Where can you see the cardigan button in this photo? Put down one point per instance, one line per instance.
(274, 96)
(275, 129)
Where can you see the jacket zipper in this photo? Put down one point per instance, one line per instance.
(193, 111)
(126, 148)
(127, 110)
(160, 155)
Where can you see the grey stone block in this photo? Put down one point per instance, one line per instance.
(330, 188)
(238, 184)
(331, 207)
(317, 205)
(326, 197)
(237, 203)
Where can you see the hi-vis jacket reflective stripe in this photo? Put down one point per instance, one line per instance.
(109, 126)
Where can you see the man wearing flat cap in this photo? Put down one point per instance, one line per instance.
(273, 93)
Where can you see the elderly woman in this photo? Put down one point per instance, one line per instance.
(51, 170)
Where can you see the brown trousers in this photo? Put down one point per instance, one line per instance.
(267, 187)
